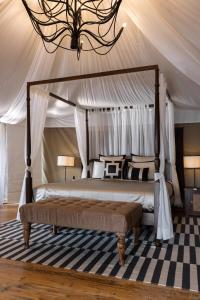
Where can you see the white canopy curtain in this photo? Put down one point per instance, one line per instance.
(121, 131)
(3, 163)
(125, 131)
(80, 125)
(170, 138)
(39, 104)
(164, 218)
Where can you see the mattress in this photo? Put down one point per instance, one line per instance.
(102, 189)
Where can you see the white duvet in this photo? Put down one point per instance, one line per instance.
(112, 190)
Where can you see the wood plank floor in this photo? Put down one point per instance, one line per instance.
(26, 281)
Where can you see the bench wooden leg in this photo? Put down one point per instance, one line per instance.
(158, 243)
(121, 248)
(27, 232)
(55, 229)
(136, 232)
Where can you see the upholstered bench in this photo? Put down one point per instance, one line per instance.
(110, 216)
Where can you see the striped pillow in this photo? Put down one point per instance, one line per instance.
(144, 162)
(140, 174)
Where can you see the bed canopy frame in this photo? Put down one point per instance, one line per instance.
(155, 68)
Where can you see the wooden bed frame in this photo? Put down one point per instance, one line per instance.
(155, 68)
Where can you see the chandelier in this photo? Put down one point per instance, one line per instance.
(81, 25)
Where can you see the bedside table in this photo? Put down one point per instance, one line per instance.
(192, 201)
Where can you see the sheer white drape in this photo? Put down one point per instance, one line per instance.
(3, 162)
(169, 32)
(162, 31)
(39, 106)
(17, 110)
(142, 130)
(80, 125)
(121, 131)
(40, 67)
(170, 138)
(127, 131)
(164, 223)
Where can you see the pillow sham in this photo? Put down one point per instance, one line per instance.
(138, 158)
(148, 164)
(111, 157)
(113, 165)
(140, 174)
(98, 169)
(113, 169)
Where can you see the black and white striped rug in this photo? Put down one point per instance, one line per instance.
(176, 264)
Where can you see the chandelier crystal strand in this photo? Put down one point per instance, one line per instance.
(81, 25)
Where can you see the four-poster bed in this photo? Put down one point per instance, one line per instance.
(155, 68)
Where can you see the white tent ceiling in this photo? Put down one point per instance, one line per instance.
(158, 32)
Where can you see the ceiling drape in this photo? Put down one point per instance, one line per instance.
(158, 32)
(169, 37)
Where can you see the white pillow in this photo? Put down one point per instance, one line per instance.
(147, 164)
(98, 169)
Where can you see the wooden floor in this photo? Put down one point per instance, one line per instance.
(26, 281)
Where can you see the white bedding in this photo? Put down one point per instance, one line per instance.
(113, 190)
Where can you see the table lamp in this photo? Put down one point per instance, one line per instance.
(192, 162)
(65, 161)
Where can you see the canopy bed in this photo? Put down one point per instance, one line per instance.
(157, 190)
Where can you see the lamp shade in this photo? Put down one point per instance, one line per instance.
(65, 161)
(192, 162)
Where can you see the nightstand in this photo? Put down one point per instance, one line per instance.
(192, 201)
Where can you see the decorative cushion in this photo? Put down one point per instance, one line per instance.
(113, 169)
(149, 164)
(113, 165)
(146, 162)
(140, 174)
(98, 169)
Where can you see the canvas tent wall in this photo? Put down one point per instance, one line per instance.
(176, 23)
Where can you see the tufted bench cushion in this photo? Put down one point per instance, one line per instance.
(93, 214)
(111, 216)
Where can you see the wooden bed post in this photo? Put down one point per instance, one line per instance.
(29, 191)
(87, 143)
(157, 121)
(157, 149)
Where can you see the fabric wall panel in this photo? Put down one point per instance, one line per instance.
(16, 164)
(60, 141)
